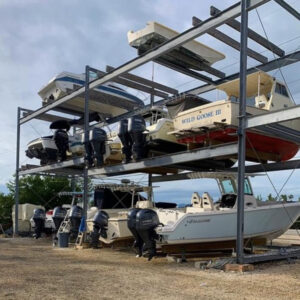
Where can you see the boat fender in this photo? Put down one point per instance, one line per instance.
(131, 224)
(98, 141)
(75, 215)
(146, 222)
(38, 217)
(100, 222)
(136, 129)
(126, 140)
(61, 140)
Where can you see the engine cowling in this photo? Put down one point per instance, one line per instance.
(58, 216)
(100, 222)
(131, 224)
(98, 140)
(38, 217)
(126, 139)
(136, 128)
(75, 215)
(61, 139)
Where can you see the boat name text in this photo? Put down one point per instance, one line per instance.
(201, 116)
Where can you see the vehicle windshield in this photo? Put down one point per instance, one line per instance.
(228, 186)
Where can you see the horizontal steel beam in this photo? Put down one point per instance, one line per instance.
(250, 170)
(190, 34)
(288, 8)
(144, 81)
(184, 70)
(167, 160)
(52, 167)
(269, 66)
(44, 117)
(286, 114)
(251, 34)
(231, 42)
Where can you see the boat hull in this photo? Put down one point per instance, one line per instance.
(217, 123)
(265, 222)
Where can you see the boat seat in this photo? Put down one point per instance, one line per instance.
(196, 200)
(207, 201)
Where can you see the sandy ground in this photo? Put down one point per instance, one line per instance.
(32, 269)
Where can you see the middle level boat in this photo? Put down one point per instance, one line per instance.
(216, 122)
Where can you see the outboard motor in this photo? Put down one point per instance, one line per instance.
(146, 221)
(39, 217)
(136, 128)
(61, 137)
(76, 213)
(61, 140)
(126, 140)
(98, 139)
(58, 216)
(131, 224)
(100, 227)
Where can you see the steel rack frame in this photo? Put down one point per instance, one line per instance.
(79, 167)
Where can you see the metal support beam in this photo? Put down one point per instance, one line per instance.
(86, 140)
(185, 71)
(251, 33)
(17, 191)
(45, 117)
(167, 160)
(190, 34)
(144, 81)
(242, 134)
(288, 8)
(134, 85)
(271, 65)
(286, 114)
(231, 42)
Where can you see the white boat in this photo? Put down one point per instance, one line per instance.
(108, 99)
(216, 122)
(203, 222)
(191, 54)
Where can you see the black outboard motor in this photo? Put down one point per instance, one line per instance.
(61, 137)
(97, 141)
(58, 216)
(76, 213)
(136, 128)
(131, 224)
(39, 217)
(126, 140)
(100, 227)
(146, 221)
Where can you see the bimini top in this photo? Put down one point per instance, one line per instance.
(256, 81)
(189, 54)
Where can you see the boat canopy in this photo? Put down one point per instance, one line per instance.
(184, 102)
(257, 83)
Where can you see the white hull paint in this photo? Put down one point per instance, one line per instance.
(261, 222)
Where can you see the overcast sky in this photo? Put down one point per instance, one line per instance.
(39, 39)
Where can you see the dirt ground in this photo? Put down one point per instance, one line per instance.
(32, 269)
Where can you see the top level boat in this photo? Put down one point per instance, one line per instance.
(190, 55)
(108, 99)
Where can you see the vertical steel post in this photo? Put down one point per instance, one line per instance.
(86, 139)
(242, 133)
(16, 229)
(150, 194)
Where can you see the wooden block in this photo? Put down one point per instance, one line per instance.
(238, 268)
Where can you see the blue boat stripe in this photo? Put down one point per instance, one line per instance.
(103, 88)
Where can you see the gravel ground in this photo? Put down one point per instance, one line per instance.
(32, 269)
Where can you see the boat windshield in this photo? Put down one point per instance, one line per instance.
(228, 186)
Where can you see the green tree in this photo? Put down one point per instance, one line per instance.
(6, 203)
(284, 197)
(270, 198)
(36, 189)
